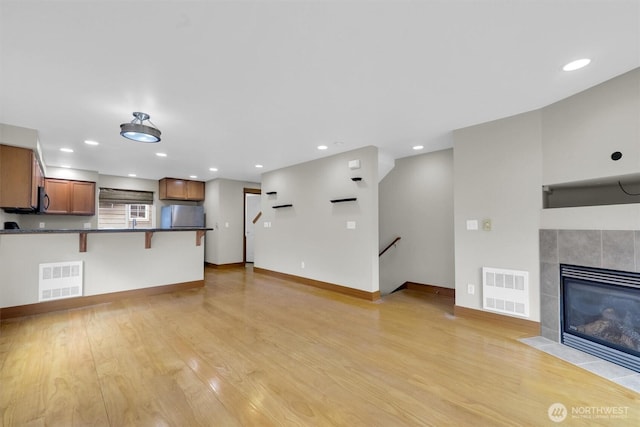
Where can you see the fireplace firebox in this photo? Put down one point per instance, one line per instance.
(600, 313)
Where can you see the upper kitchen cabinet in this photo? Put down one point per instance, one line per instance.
(181, 189)
(67, 197)
(20, 177)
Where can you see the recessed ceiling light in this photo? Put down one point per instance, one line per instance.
(258, 166)
(132, 175)
(89, 142)
(193, 176)
(322, 147)
(418, 147)
(66, 150)
(65, 166)
(213, 169)
(161, 154)
(577, 64)
(338, 143)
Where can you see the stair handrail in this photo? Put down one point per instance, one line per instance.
(389, 245)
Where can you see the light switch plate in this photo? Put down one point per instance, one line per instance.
(351, 225)
(472, 224)
(486, 224)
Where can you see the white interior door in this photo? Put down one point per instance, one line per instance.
(251, 209)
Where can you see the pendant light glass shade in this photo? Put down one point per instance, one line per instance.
(137, 131)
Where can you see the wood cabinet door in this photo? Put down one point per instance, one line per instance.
(176, 189)
(83, 198)
(58, 191)
(195, 190)
(16, 177)
(181, 189)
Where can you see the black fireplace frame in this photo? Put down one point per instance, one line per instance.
(603, 279)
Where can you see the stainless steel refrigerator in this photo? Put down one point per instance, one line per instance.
(175, 216)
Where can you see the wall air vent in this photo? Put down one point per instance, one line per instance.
(59, 280)
(505, 291)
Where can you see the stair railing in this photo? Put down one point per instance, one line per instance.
(390, 245)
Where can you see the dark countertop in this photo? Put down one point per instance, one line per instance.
(102, 230)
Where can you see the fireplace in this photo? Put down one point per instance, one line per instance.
(600, 313)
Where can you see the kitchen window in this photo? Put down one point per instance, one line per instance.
(139, 212)
(119, 209)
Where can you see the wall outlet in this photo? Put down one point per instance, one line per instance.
(226, 225)
(351, 225)
(267, 224)
(302, 264)
(472, 224)
(41, 225)
(471, 289)
(87, 225)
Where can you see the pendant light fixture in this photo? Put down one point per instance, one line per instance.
(138, 131)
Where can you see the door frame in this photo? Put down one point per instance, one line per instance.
(246, 191)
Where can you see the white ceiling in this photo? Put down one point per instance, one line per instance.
(231, 84)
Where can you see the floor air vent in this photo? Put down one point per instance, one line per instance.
(505, 291)
(60, 280)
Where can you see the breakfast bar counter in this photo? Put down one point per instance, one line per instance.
(115, 262)
(82, 233)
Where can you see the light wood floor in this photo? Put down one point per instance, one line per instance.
(257, 351)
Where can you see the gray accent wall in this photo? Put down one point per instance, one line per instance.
(498, 177)
(314, 231)
(416, 204)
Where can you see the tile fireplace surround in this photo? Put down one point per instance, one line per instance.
(612, 249)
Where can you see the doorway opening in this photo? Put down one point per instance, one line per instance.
(251, 215)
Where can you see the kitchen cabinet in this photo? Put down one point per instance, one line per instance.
(181, 189)
(20, 177)
(67, 197)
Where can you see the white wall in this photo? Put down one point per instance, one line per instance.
(578, 136)
(416, 203)
(314, 230)
(224, 207)
(498, 176)
(18, 136)
(4, 217)
(580, 133)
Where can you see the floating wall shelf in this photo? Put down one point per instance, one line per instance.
(271, 193)
(349, 199)
(282, 206)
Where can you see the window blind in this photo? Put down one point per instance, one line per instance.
(130, 197)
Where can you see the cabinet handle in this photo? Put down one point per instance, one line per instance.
(47, 201)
